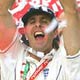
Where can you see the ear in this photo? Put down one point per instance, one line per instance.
(22, 30)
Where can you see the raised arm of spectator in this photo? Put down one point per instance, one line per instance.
(72, 32)
(7, 25)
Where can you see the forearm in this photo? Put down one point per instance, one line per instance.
(72, 31)
(71, 36)
(5, 17)
(7, 24)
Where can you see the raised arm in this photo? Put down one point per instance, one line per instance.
(72, 32)
(7, 25)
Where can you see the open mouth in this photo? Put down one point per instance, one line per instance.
(39, 35)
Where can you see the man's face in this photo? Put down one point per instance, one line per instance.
(35, 27)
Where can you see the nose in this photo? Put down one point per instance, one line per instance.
(38, 24)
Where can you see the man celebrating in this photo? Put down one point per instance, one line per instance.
(38, 60)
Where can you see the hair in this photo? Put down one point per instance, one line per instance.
(55, 43)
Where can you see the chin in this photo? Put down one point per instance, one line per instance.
(39, 49)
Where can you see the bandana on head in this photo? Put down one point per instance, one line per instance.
(20, 7)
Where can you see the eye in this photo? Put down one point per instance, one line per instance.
(32, 21)
(44, 21)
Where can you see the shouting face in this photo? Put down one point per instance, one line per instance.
(34, 29)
